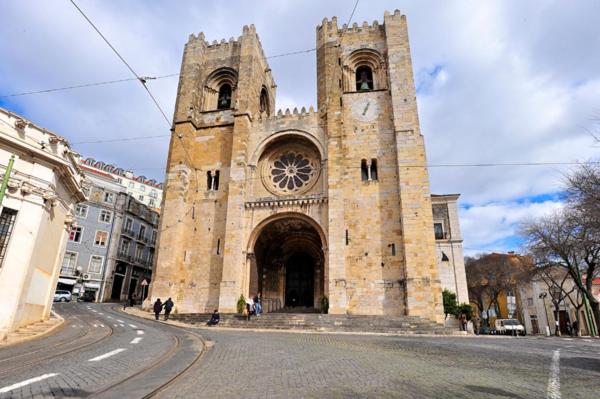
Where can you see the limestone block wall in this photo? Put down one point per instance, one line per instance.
(192, 231)
(374, 267)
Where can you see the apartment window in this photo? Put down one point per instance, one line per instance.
(151, 203)
(81, 211)
(76, 233)
(86, 191)
(101, 238)
(142, 187)
(109, 197)
(138, 252)
(124, 248)
(438, 229)
(153, 235)
(153, 193)
(69, 263)
(141, 197)
(119, 180)
(105, 216)
(7, 221)
(95, 265)
(142, 231)
(128, 224)
(131, 184)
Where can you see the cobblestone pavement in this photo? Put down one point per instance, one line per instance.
(285, 365)
(103, 347)
(250, 364)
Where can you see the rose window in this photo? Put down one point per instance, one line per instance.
(290, 171)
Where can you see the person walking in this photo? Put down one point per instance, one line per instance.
(168, 305)
(249, 308)
(575, 329)
(157, 308)
(257, 304)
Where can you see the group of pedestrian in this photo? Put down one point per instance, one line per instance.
(254, 306)
(158, 307)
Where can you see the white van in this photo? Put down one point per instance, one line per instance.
(509, 327)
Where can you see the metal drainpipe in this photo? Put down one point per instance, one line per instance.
(7, 173)
(452, 252)
(110, 239)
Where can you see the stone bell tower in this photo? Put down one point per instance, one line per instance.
(382, 250)
(221, 87)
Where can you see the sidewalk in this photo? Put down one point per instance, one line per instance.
(33, 331)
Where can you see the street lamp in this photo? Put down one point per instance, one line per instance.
(555, 291)
(543, 296)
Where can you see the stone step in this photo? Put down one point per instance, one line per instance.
(321, 322)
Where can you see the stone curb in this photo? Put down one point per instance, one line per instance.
(5, 344)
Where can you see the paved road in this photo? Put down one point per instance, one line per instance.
(281, 365)
(244, 364)
(92, 353)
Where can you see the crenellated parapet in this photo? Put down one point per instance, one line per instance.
(328, 29)
(287, 114)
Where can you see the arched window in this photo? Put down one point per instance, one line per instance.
(373, 169)
(364, 171)
(264, 101)
(224, 101)
(209, 180)
(364, 70)
(364, 78)
(219, 90)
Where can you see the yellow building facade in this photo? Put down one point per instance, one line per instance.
(302, 204)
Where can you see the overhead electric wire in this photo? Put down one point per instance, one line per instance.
(138, 77)
(143, 82)
(120, 140)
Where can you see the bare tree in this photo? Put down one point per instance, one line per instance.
(556, 280)
(490, 275)
(562, 240)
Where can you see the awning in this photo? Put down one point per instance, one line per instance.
(92, 285)
(67, 281)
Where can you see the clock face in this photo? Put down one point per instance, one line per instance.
(365, 110)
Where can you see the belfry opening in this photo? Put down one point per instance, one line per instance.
(288, 265)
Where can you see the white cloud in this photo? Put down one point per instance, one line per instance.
(493, 226)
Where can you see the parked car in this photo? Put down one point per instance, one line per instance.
(62, 296)
(510, 327)
(87, 296)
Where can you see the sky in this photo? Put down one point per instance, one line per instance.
(497, 82)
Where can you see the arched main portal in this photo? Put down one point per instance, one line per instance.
(288, 266)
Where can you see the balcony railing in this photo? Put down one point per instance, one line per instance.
(124, 256)
(128, 232)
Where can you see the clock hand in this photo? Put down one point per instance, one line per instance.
(366, 108)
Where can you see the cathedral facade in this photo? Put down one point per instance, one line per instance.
(300, 205)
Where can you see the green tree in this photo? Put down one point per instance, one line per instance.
(450, 304)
